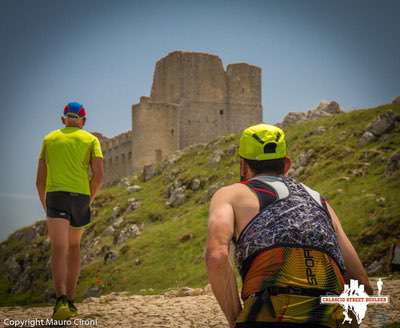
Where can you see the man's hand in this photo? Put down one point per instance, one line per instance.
(96, 165)
(220, 273)
(41, 176)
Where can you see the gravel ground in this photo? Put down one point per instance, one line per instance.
(173, 310)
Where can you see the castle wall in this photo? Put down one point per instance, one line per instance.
(117, 154)
(155, 128)
(201, 122)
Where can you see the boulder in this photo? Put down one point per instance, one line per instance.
(129, 231)
(216, 157)
(296, 171)
(23, 282)
(305, 157)
(384, 123)
(358, 172)
(109, 231)
(110, 256)
(396, 100)
(177, 197)
(212, 189)
(184, 291)
(177, 183)
(366, 138)
(171, 159)
(104, 250)
(124, 182)
(187, 291)
(134, 188)
(329, 107)
(94, 291)
(195, 184)
(324, 109)
(13, 268)
(293, 117)
(231, 150)
(118, 222)
(381, 201)
(316, 132)
(393, 164)
(115, 212)
(376, 266)
(133, 206)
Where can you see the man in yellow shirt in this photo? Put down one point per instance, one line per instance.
(66, 192)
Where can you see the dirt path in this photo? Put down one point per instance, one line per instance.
(201, 311)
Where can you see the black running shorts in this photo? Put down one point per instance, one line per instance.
(71, 206)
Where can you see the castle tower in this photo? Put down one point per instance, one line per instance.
(193, 100)
(155, 131)
(244, 96)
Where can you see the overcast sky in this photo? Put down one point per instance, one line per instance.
(102, 53)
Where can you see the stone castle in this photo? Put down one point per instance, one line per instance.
(193, 100)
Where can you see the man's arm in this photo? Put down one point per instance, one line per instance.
(220, 271)
(352, 262)
(96, 181)
(41, 176)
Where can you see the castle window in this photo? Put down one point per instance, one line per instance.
(129, 155)
(221, 112)
(172, 132)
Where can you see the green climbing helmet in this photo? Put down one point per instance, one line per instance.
(262, 142)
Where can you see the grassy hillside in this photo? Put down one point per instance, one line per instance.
(168, 252)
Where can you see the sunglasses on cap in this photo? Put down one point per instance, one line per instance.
(72, 115)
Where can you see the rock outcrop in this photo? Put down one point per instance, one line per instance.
(393, 164)
(324, 109)
(384, 123)
(396, 100)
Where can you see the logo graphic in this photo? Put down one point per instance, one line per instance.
(355, 299)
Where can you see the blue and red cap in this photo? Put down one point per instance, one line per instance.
(74, 110)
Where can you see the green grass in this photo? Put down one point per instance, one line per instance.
(166, 262)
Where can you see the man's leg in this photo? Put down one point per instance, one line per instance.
(58, 229)
(74, 261)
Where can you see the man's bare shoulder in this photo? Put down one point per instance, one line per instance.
(230, 191)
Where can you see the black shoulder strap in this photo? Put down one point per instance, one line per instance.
(265, 193)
